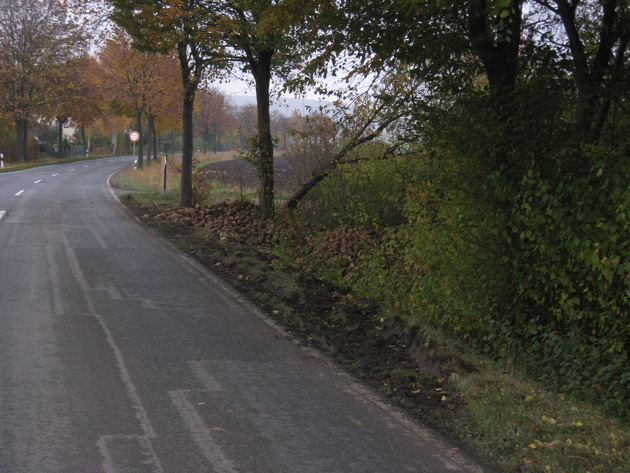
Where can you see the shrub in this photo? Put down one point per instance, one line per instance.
(569, 256)
(367, 193)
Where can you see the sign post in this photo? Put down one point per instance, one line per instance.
(134, 136)
(165, 167)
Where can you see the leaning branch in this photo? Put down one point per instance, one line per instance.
(338, 158)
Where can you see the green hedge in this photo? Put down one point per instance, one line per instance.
(537, 271)
(569, 248)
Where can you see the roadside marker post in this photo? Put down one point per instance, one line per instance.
(165, 167)
(134, 136)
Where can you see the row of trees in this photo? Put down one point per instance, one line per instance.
(447, 47)
(48, 76)
(262, 37)
(442, 48)
(41, 62)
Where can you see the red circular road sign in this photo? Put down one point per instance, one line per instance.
(134, 136)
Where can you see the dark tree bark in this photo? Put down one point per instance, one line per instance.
(21, 130)
(264, 143)
(155, 140)
(592, 79)
(60, 122)
(150, 141)
(496, 41)
(191, 83)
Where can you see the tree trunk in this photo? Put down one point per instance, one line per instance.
(186, 195)
(496, 41)
(191, 75)
(139, 143)
(592, 79)
(114, 142)
(151, 141)
(155, 140)
(84, 141)
(264, 143)
(150, 119)
(60, 137)
(21, 130)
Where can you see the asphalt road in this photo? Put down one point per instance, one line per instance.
(120, 354)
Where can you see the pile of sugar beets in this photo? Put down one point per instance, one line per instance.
(243, 222)
(239, 220)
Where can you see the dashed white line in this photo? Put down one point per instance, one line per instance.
(19, 193)
(56, 174)
(37, 182)
(2, 212)
(70, 170)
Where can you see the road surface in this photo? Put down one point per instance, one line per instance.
(120, 354)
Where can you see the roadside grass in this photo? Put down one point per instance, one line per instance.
(509, 419)
(149, 179)
(148, 182)
(524, 427)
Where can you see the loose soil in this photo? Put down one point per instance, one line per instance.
(234, 241)
(243, 175)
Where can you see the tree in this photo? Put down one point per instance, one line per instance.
(82, 99)
(361, 120)
(597, 35)
(182, 27)
(165, 101)
(139, 81)
(448, 45)
(37, 37)
(264, 36)
(90, 100)
(270, 38)
(247, 123)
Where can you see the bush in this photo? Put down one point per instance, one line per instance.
(569, 255)
(506, 232)
(367, 193)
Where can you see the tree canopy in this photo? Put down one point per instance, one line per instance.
(450, 45)
(37, 39)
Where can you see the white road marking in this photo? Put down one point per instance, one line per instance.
(124, 453)
(37, 182)
(208, 381)
(2, 212)
(141, 414)
(202, 435)
(70, 170)
(19, 193)
(56, 174)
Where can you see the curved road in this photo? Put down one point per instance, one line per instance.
(119, 354)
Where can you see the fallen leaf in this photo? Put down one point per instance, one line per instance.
(554, 444)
